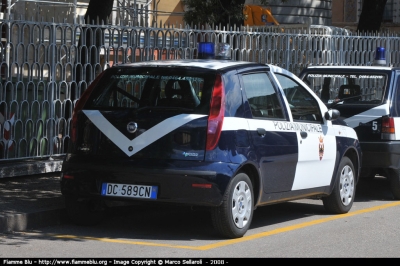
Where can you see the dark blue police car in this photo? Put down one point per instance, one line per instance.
(227, 135)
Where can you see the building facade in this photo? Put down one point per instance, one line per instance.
(345, 14)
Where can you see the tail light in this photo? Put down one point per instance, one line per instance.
(216, 116)
(79, 106)
(65, 176)
(388, 131)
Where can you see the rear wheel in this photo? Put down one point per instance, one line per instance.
(342, 197)
(84, 211)
(232, 219)
(394, 181)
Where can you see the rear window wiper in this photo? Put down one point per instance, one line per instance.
(127, 94)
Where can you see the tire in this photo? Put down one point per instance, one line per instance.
(342, 197)
(394, 182)
(233, 218)
(84, 211)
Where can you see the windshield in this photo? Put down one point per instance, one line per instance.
(348, 88)
(153, 88)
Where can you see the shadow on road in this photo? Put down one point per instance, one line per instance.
(172, 223)
(375, 189)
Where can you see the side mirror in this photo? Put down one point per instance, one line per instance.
(332, 114)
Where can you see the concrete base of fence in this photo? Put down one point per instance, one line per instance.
(30, 202)
(27, 221)
(30, 166)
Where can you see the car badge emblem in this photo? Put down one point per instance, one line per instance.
(131, 127)
(321, 147)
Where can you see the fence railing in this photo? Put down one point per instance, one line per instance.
(46, 66)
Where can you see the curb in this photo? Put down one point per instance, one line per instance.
(29, 167)
(28, 221)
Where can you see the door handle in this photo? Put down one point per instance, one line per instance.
(303, 134)
(261, 131)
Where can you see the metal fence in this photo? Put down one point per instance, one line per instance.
(45, 66)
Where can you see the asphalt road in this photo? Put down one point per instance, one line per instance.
(296, 229)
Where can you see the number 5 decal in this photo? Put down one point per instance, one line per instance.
(374, 126)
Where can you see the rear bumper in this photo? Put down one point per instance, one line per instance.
(381, 154)
(177, 182)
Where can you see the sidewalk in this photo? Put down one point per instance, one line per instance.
(29, 202)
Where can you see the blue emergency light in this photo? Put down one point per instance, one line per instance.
(206, 50)
(380, 57)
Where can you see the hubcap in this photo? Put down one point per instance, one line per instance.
(241, 204)
(346, 185)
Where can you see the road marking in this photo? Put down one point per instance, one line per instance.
(237, 240)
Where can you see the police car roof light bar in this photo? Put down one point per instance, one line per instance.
(380, 57)
(223, 51)
(206, 50)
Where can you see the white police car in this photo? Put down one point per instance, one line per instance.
(227, 135)
(368, 98)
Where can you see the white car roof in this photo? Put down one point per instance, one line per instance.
(276, 69)
(202, 63)
(351, 67)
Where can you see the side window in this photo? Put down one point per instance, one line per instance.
(262, 97)
(303, 105)
(396, 100)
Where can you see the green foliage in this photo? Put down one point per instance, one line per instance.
(200, 12)
(213, 12)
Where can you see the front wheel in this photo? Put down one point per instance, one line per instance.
(232, 219)
(342, 197)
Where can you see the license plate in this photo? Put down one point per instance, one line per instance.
(130, 191)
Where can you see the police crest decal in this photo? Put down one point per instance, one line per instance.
(321, 147)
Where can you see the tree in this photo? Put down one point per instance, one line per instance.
(371, 16)
(211, 11)
(98, 12)
(231, 12)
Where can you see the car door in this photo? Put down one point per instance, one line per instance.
(315, 136)
(275, 149)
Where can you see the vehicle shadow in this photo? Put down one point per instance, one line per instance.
(375, 189)
(138, 223)
(167, 222)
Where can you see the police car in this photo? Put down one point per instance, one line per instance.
(226, 135)
(368, 98)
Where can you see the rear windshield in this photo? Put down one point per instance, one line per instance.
(348, 88)
(153, 88)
